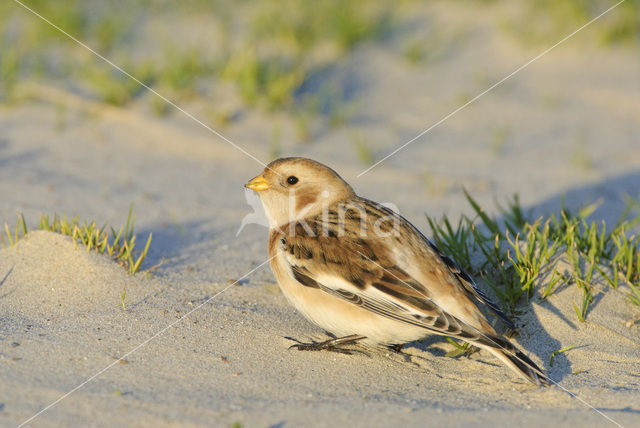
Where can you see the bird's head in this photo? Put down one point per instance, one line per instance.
(295, 188)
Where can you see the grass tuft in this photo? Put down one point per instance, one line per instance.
(518, 254)
(275, 58)
(119, 246)
(546, 21)
(12, 238)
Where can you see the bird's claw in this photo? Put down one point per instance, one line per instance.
(332, 345)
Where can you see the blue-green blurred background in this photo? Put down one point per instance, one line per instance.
(273, 56)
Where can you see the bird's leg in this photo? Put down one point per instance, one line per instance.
(330, 345)
(397, 347)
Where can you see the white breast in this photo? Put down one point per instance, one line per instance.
(339, 317)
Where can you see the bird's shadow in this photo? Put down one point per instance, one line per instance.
(174, 243)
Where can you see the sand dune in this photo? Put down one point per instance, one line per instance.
(571, 132)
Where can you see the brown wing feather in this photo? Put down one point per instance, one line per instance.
(470, 286)
(312, 254)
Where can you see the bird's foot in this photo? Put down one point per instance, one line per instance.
(333, 345)
(397, 347)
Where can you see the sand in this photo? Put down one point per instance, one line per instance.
(61, 317)
(227, 360)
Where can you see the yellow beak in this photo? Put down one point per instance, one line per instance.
(258, 183)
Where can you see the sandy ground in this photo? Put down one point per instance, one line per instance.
(572, 121)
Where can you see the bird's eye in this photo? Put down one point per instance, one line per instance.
(292, 180)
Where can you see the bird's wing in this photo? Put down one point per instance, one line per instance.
(432, 267)
(470, 285)
(366, 275)
(433, 255)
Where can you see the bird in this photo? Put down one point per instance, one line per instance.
(364, 273)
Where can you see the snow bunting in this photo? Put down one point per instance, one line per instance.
(364, 273)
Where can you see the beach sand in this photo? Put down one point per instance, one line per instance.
(198, 351)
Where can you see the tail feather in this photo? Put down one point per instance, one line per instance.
(517, 361)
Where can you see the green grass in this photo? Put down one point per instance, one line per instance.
(544, 22)
(498, 140)
(520, 255)
(440, 41)
(580, 156)
(12, 237)
(363, 149)
(277, 63)
(110, 85)
(464, 348)
(274, 55)
(119, 246)
(415, 51)
(9, 73)
(559, 351)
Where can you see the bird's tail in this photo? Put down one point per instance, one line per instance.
(513, 358)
